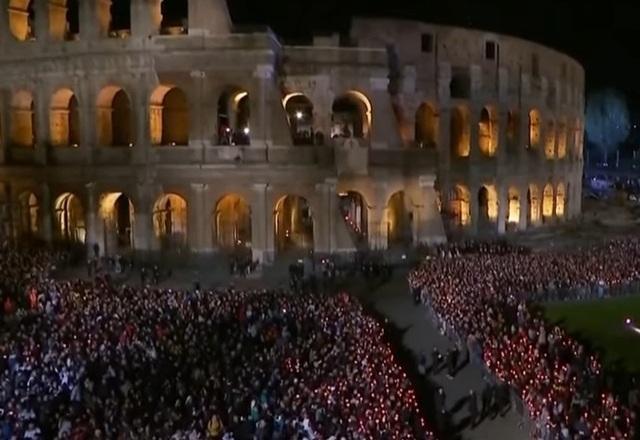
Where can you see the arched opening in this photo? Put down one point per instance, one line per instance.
(488, 132)
(534, 128)
(234, 114)
(561, 200)
(232, 222)
(28, 215)
(170, 221)
(116, 20)
(175, 17)
(169, 116)
(293, 222)
(533, 199)
(460, 206)
(550, 140)
(299, 111)
(399, 218)
(117, 213)
(22, 19)
(64, 119)
(427, 126)
(460, 132)
(23, 120)
(513, 130)
(562, 139)
(547, 201)
(488, 203)
(351, 116)
(64, 20)
(70, 220)
(513, 214)
(354, 210)
(114, 117)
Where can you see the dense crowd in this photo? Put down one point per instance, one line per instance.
(485, 296)
(94, 360)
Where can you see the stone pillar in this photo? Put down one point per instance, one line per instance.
(377, 226)
(41, 11)
(384, 131)
(502, 154)
(475, 154)
(262, 239)
(5, 125)
(46, 216)
(524, 207)
(5, 31)
(42, 138)
(260, 123)
(321, 211)
(429, 227)
(88, 116)
(90, 27)
(196, 115)
(142, 143)
(198, 220)
(143, 221)
(92, 218)
(474, 208)
(146, 17)
(503, 208)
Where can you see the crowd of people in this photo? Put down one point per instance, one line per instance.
(92, 360)
(485, 297)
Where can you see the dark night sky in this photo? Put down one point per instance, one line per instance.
(603, 36)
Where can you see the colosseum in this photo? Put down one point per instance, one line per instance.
(150, 132)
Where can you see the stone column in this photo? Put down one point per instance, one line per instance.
(261, 118)
(46, 216)
(503, 208)
(196, 135)
(5, 125)
(5, 31)
(41, 11)
(90, 27)
(474, 209)
(502, 154)
(262, 239)
(142, 143)
(524, 207)
(143, 222)
(384, 133)
(88, 117)
(198, 216)
(93, 234)
(429, 227)
(475, 155)
(377, 226)
(42, 137)
(146, 17)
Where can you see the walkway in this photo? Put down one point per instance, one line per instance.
(419, 335)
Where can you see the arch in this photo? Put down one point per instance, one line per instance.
(299, 110)
(175, 17)
(293, 224)
(460, 132)
(232, 222)
(169, 116)
(351, 116)
(70, 221)
(513, 128)
(488, 203)
(29, 213)
(488, 132)
(64, 119)
(114, 117)
(399, 218)
(118, 216)
(64, 20)
(460, 205)
(562, 138)
(513, 213)
(234, 117)
(355, 211)
(534, 128)
(427, 126)
(116, 20)
(21, 19)
(547, 201)
(22, 119)
(550, 140)
(561, 200)
(170, 221)
(533, 199)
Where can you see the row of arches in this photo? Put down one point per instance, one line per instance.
(169, 118)
(169, 17)
(557, 133)
(231, 220)
(541, 204)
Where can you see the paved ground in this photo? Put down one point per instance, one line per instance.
(419, 335)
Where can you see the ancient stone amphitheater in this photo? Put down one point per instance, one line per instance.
(146, 131)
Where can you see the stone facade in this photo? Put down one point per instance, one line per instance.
(204, 137)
